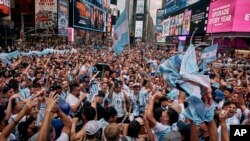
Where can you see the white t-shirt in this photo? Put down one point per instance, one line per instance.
(63, 137)
(71, 99)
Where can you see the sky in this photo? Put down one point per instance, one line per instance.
(154, 5)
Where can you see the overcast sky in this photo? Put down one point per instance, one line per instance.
(154, 5)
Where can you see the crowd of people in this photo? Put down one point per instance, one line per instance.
(67, 97)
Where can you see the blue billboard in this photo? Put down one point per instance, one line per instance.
(159, 18)
(87, 15)
(171, 6)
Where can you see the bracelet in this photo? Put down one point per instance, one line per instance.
(15, 122)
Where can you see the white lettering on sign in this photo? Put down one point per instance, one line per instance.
(247, 17)
(221, 15)
(240, 132)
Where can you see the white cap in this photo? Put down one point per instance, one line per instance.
(92, 127)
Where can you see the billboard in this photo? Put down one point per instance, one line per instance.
(88, 16)
(140, 6)
(71, 34)
(221, 15)
(62, 17)
(159, 16)
(199, 17)
(229, 16)
(45, 14)
(5, 7)
(242, 12)
(171, 6)
(109, 23)
(138, 28)
(166, 27)
(186, 22)
(178, 24)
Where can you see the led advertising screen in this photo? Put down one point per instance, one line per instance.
(229, 16)
(221, 15)
(199, 17)
(45, 14)
(88, 16)
(242, 16)
(159, 17)
(166, 27)
(71, 34)
(5, 7)
(140, 6)
(178, 24)
(62, 17)
(138, 28)
(171, 6)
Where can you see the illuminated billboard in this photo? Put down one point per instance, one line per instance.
(5, 7)
(229, 16)
(171, 6)
(140, 6)
(62, 17)
(138, 28)
(45, 14)
(88, 16)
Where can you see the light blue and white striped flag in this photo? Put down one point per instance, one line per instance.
(209, 53)
(121, 33)
(192, 82)
(189, 62)
(180, 47)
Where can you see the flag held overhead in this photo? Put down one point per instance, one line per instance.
(121, 33)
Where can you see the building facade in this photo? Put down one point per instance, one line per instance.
(7, 35)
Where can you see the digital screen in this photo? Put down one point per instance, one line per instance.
(140, 6)
(229, 16)
(5, 7)
(171, 6)
(138, 28)
(88, 16)
(62, 17)
(221, 15)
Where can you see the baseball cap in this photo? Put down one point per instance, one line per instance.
(172, 136)
(92, 127)
(65, 107)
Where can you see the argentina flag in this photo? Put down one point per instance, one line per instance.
(121, 33)
(209, 53)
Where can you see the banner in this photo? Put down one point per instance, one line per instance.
(88, 16)
(62, 17)
(45, 14)
(5, 7)
(138, 28)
